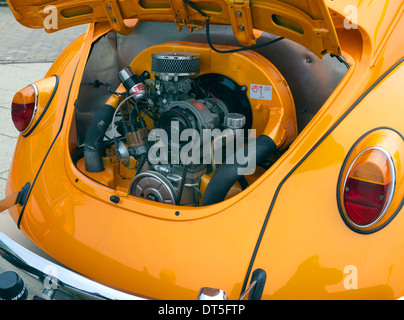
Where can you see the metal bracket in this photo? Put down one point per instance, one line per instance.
(113, 13)
(183, 17)
(241, 21)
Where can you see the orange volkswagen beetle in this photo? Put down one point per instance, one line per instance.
(213, 149)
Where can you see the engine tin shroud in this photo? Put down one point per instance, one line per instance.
(228, 91)
(244, 68)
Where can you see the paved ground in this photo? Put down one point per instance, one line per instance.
(20, 44)
(25, 56)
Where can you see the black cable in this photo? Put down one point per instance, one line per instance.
(141, 164)
(195, 8)
(154, 118)
(231, 50)
(340, 59)
(181, 188)
(238, 49)
(107, 143)
(98, 83)
(132, 119)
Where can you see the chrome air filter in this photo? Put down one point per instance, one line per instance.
(179, 64)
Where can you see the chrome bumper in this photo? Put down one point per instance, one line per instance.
(55, 282)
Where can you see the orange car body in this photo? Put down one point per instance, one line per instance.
(287, 223)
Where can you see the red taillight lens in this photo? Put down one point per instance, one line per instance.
(23, 107)
(369, 187)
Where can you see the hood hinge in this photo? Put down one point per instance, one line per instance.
(113, 13)
(241, 21)
(183, 18)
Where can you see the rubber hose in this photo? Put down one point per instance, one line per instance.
(228, 174)
(94, 142)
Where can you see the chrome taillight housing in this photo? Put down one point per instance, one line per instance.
(370, 190)
(369, 187)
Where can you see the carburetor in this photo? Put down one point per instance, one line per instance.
(175, 94)
(173, 71)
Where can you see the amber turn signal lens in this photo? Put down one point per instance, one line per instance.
(23, 107)
(369, 187)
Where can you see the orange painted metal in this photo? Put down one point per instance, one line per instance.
(169, 252)
(307, 23)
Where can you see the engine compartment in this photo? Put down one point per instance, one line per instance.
(179, 125)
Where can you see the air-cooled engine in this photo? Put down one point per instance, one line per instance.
(176, 124)
(178, 106)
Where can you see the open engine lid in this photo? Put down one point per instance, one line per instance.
(307, 22)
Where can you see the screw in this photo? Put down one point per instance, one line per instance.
(381, 197)
(347, 189)
(109, 7)
(114, 19)
(241, 28)
(239, 14)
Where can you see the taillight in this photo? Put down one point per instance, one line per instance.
(369, 187)
(23, 107)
